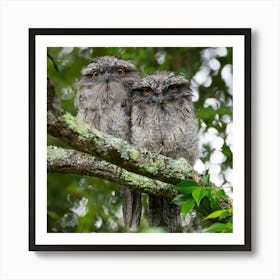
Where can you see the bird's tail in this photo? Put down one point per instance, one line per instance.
(132, 207)
(163, 213)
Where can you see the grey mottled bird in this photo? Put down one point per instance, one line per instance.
(163, 120)
(103, 102)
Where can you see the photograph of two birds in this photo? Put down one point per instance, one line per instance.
(176, 102)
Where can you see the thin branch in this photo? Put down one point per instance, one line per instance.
(53, 62)
(81, 137)
(69, 161)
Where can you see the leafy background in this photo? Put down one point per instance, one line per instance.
(86, 204)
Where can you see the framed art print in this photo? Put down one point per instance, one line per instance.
(140, 139)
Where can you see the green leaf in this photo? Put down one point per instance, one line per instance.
(208, 114)
(226, 213)
(214, 215)
(187, 206)
(187, 183)
(186, 190)
(206, 180)
(229, 227)
(198, 194)
(213, 199)
(221, 194)
(187, 187)
(218, 227)
(228, 153)
(179, 199)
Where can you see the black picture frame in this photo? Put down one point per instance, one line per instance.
(246, 32)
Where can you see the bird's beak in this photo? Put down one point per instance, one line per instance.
(107, 77)
(160, 99)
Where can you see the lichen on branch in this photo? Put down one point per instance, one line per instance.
(62, 160)
(81, 137)
(101, 155)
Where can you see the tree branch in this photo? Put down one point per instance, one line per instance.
(117, 160)
(81, 137)
(69, 161)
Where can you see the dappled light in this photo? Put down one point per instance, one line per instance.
(88, 204)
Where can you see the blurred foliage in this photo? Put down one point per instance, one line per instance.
(84, 204)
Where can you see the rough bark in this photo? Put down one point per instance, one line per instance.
(79, 136)
(118, 161)
(66, 161)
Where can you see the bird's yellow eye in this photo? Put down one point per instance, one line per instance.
(121, 71)
(95, 74)
(147, 91)
(172, 88)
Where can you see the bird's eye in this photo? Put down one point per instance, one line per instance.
(172, 88)
(147, 91)
(121, 71)
(95, 74)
